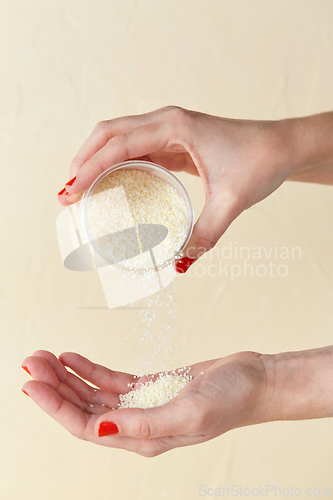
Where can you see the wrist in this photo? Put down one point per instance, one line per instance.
(295, 144)
(308, 143)
(299, 385)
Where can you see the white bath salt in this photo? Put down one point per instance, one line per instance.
(154, 393)
(126, 198)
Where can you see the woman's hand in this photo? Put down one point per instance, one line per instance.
(239, 390)
(223, 394)
(240, 162)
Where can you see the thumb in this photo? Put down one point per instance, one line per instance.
(214, 220)
(166, 420)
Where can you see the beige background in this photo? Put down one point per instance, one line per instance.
(65, 65)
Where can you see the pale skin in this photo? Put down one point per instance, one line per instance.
(242, 389)
(240, 163)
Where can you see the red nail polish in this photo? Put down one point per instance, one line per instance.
(107, 428)
(67, 194)
(25, 392)
(26, 369)
(71, 182)
(183, 264)
(62, 192)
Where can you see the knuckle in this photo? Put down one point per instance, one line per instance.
(175, 122)
(40, 352)
(120, 142)
(179, 114)
(141, 429)
(176, 114)
(104, 129)
(101, 126)
(170, 108)
(205, 241)
(45, 355)
(76, 162)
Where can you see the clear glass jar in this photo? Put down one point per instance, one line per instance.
(164, 255)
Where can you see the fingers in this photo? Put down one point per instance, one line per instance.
(216, 217)
(172, 419)
(103, 133)
(92, 396)
(140, 141)
(147, 432)
(64, 412)
(81, 425)
(65, 198)
(104, 130)
(44, 366)
(102, 377)
(41, 371)
(158, 135)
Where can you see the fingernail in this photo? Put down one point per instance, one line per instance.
(71, 182)
(62, 191)
(67, 194)
(25, 392)
(183, 264)
(26, 369)
(107, 428)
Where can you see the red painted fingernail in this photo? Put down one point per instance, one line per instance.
(26, 369)
(71, 182)
(67, 194)
(107, 428)
(183, 264)
(25, 392)
(62, 192)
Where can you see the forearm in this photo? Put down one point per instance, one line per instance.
(299, 385)
(310, 144)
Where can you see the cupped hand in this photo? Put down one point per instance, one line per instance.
(240, 162)
(223, 394)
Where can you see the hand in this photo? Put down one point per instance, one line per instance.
(223, 394)
(239, 162)
(242, 389)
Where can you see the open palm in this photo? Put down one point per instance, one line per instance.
(223, 394)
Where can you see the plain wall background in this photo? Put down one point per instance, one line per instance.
(64, 66)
